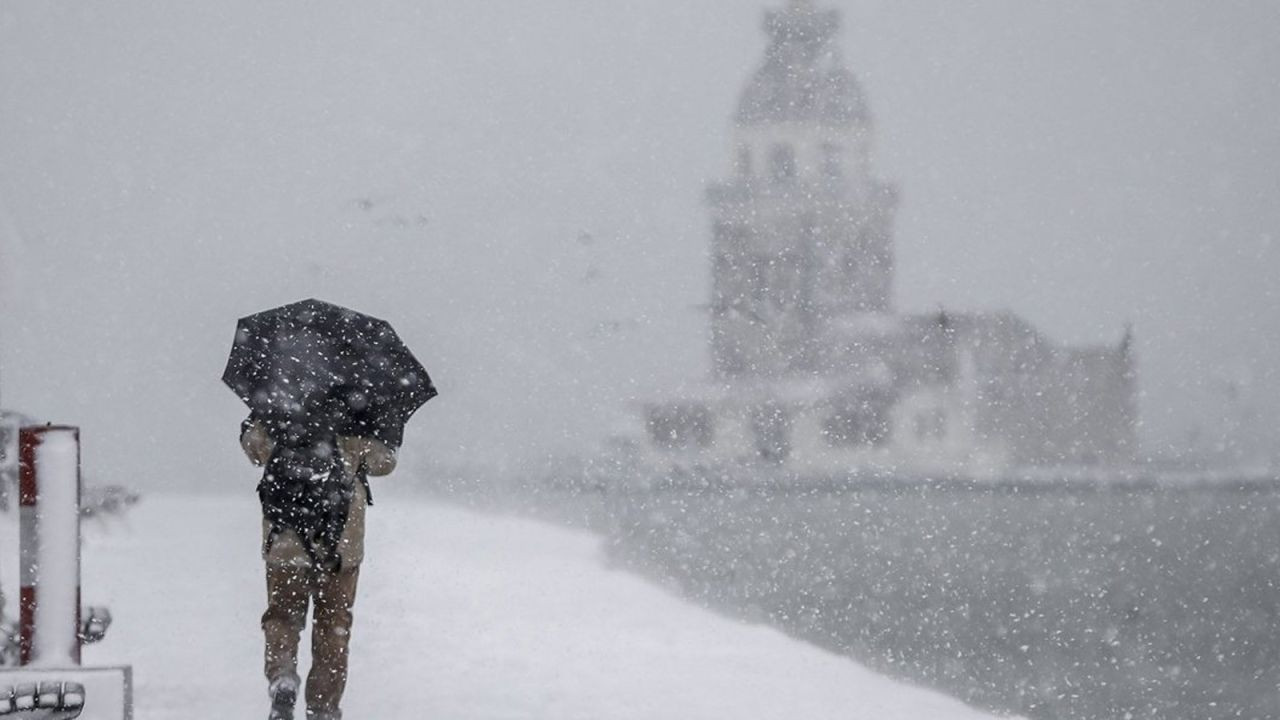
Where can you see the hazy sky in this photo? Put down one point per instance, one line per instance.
(518, 187)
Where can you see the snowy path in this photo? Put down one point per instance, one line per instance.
(460, 616)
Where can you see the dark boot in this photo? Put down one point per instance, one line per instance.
(284, 695)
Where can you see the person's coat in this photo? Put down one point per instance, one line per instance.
(287, 548)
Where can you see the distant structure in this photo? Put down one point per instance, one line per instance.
(813, 370)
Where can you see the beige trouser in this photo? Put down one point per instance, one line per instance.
(289, 590)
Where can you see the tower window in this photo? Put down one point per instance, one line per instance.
(771, 425)
(782, 162)
(680, 425)
(831, 165)
(743, 162)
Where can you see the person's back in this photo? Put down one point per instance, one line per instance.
(312, 551)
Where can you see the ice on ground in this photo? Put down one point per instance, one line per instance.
(459, 615)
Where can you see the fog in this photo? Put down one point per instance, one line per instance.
(518, 188)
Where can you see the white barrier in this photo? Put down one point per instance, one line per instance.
(49, 520)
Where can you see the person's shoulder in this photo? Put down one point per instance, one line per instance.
(255, 441)
(379, 458)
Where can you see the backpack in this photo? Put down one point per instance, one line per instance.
(305, 488)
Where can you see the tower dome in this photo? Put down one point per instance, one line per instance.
(802, 78)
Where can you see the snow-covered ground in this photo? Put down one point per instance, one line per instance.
(460, 615)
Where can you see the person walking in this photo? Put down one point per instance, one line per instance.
(329, 392)
(301, 571)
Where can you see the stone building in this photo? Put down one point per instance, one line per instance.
(813, 370)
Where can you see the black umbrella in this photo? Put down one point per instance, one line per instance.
(313, 367)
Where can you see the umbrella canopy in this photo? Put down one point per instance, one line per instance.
(313, 367)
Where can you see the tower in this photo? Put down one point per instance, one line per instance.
(801, 231)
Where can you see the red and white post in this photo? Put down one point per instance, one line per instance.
(49, 527)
